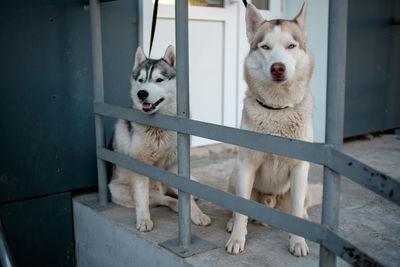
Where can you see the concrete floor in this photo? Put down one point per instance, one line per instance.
(366, 220)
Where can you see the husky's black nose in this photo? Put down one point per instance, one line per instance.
(278, 69)
(142, 94)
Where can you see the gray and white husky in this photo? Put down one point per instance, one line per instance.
(153, 90)
(278, 101)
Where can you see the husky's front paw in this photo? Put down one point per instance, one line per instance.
(200, 218)
(144, 225)
(298, 246)
(235, 244)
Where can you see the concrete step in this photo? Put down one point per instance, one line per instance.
(108, 237)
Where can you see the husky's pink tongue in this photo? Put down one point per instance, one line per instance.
(146, 106)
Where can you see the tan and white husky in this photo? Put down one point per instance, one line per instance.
(153, 90)
(278, 101)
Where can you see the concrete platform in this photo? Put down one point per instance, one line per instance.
(109, 237)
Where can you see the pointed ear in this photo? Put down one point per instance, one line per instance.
(302, 16)
(139, 57)
(169, 56)
(253, 21)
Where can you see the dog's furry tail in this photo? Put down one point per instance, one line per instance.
(314, 194)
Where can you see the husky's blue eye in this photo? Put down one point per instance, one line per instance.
(140, 80)
(291, 46)
(266, 47)
(159, 80)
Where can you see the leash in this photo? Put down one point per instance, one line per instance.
(153, 25)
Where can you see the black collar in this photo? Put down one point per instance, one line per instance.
(269, 107)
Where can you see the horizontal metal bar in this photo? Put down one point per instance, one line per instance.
(347, 251)
(255, 210)
(310, 230)
(353, 169)
(365, 175)
(263, 142)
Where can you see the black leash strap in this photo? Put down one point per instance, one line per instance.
(153, 25)
(245, 3)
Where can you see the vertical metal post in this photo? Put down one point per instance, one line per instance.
(337, 37)
(182, 84)
(186, 244)
(98, 93)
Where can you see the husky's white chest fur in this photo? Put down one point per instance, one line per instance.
(273, 175)
(145, 143)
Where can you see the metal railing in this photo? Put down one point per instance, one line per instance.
(335, 162)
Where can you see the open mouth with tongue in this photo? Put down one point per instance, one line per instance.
(147, 107)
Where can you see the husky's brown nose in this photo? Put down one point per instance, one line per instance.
(278, 69)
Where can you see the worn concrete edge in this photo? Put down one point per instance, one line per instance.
(144, 252)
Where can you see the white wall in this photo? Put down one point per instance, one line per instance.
(317, 27)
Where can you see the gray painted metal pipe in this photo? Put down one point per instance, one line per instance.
(337, 34)
(182, 84)
(98, 93)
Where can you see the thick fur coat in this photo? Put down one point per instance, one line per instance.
(153, 90)
(278, 101)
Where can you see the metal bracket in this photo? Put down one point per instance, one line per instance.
(198, 246)
(95, 204)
